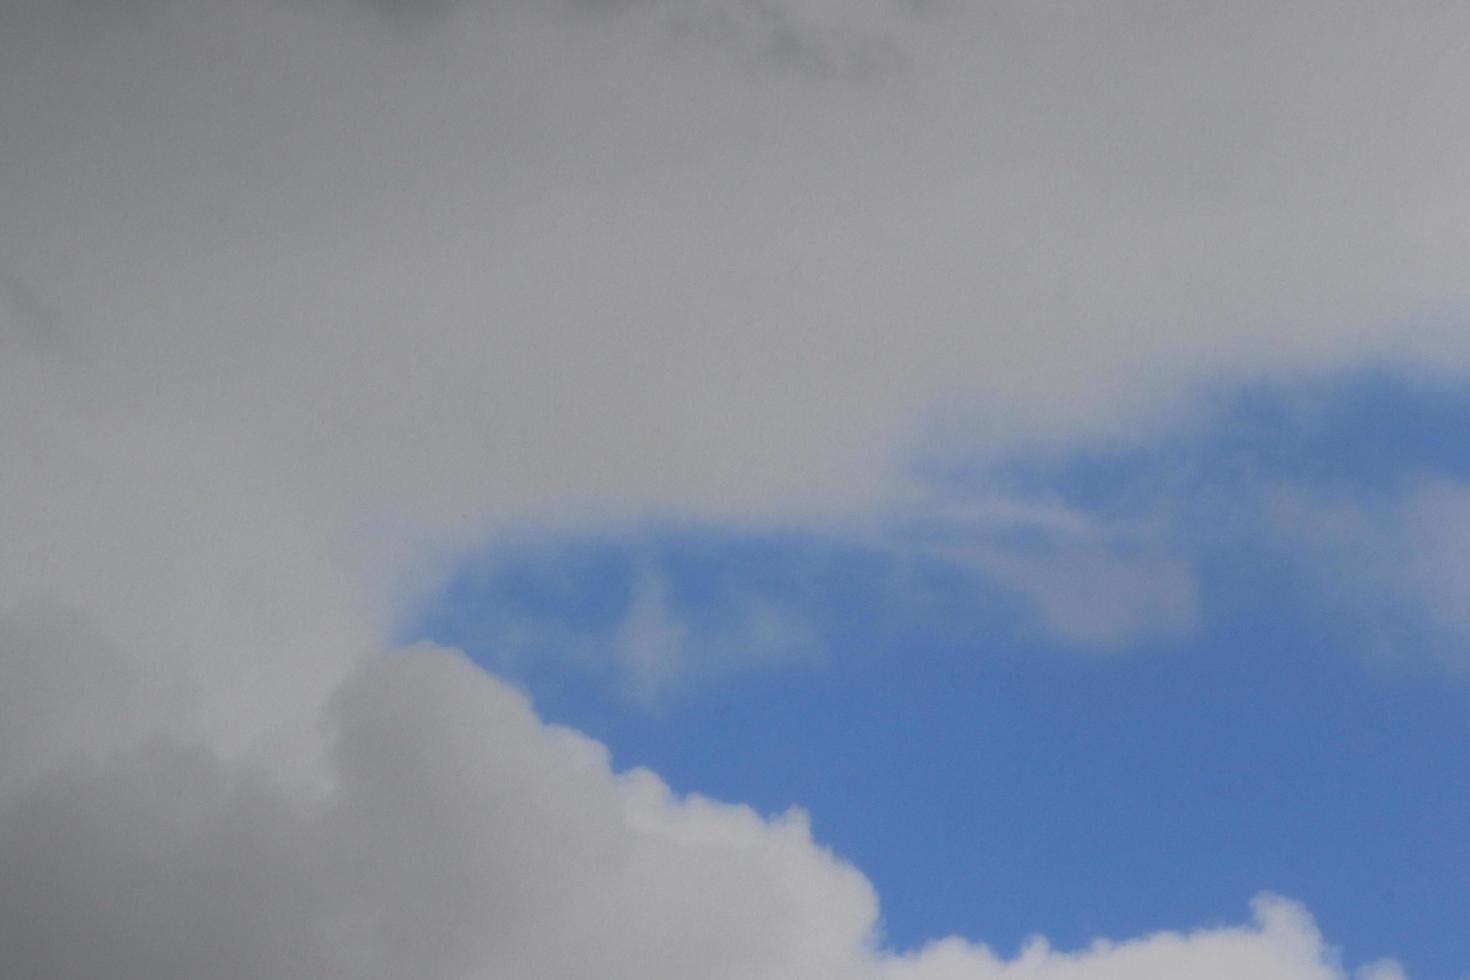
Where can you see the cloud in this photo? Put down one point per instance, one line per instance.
(456, 836)
(24, 314)
(1094, 598)
(550, 259)
(333, 300)
(855, 41)
(1399, 562)
(649, 641)
(650, 613)
(1090, 578)
(1282, 942)
(859, 41)
(1347, 491)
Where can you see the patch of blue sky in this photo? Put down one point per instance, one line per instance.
(736, 600)
(933, 690)
(1368, 430)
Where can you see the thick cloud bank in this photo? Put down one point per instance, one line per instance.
(456, 837)
(515, 253)
(289, 289)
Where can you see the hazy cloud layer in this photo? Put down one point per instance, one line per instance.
(546, 256)
(332, 293)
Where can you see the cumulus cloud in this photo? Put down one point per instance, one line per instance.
(332, 298)
(1282, 942)
(456, 836)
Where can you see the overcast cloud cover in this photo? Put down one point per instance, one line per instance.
(298, 297)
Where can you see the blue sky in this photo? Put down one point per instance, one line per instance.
(1000, 766)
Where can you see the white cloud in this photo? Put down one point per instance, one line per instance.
(1281, 942)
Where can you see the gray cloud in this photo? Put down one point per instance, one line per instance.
(456, 837)
(855, 41)
(25, 315)
(649, 253)
(338, 302)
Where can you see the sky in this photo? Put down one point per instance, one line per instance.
(893, 489)
(1000, 758)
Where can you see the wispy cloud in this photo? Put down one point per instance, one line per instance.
(1101, 546)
